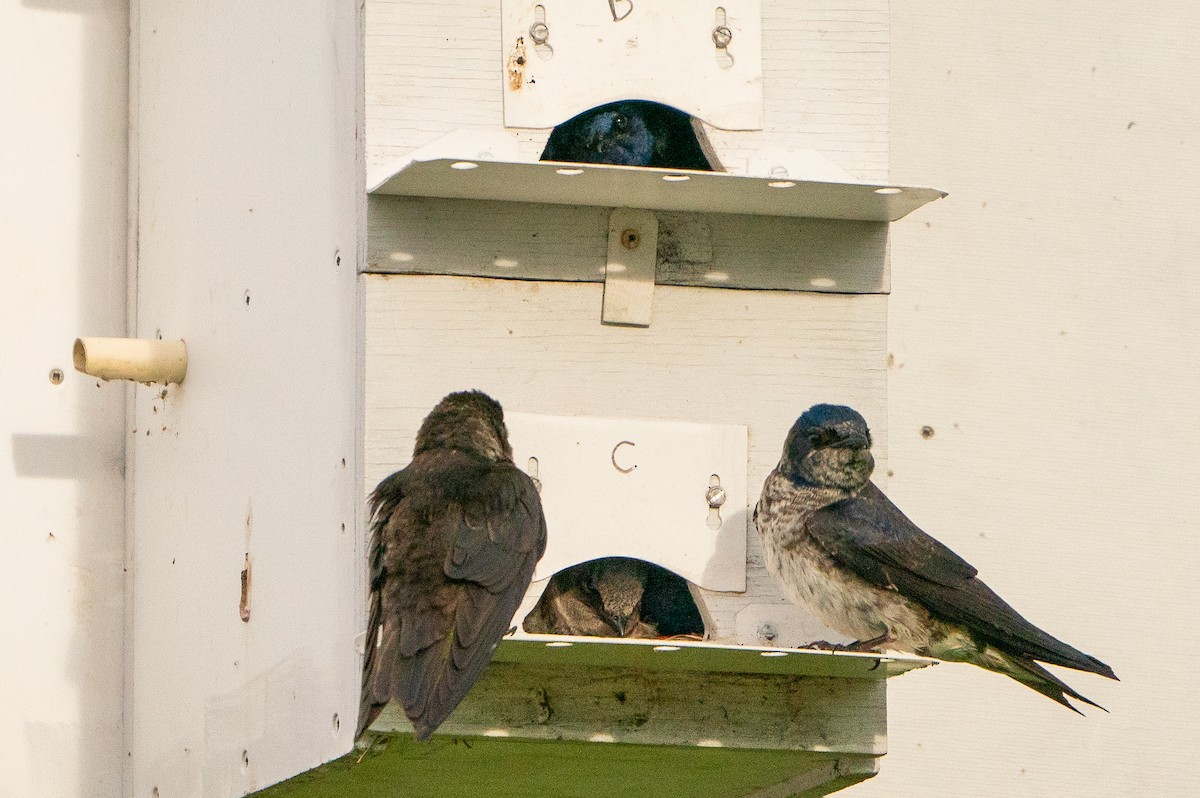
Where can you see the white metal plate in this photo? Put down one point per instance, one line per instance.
(637, 488)
(658, 50)
(629, 269)
(782, 625)
(703, 656)
(643, 187)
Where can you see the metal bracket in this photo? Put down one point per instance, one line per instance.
(629, 272)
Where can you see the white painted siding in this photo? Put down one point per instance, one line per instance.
(250, 189)
(62, 224)
(1044, 321)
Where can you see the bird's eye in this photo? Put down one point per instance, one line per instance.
(620, 123)
(822, 437)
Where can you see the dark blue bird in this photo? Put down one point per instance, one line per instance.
(629, 133)
(843, 549)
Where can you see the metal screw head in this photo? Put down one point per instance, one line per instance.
(539, 32)
(56, 376)
(722, 36)
(715, 496)
(768, 632)
(630, 238)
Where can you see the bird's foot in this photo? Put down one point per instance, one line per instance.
(871, 645)
(825, 645)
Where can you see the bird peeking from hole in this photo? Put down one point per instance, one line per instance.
(616, 597)
(455, 537)
(632, 133)
(841, 548)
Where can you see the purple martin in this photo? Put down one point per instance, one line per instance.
(455, 537)
(629, 133)
(844, 550)
(616, 597)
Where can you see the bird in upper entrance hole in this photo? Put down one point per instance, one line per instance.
(632, 133)
(616, 597)
(843, 549)
(455, 537)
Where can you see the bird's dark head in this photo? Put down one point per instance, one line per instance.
(829, 446)
(630, 133)
(618, 583)
(470, 421)
(617, 134)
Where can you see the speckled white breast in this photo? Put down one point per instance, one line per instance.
(842, 601)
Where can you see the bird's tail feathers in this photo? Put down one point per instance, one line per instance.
(1056, 652)
(1034, 676)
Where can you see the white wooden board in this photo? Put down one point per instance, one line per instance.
(63, 146)
(435, 68)
(644, 484)
(662, 50)
(245, 564)
(749, 358)
(408, 235)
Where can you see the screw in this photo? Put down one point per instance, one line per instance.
(722, 36)
(926, 432)
(56, 376)
(715, 496)
(630, 238)
(539, 32)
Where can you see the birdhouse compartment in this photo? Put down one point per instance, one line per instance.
(668, 492)
(562, 57)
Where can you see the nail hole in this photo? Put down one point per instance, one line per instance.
(337, 724)
(247, 298)
(337, 259)
(927, 432)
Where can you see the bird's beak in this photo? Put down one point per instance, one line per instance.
(620, 624)
(855, 440)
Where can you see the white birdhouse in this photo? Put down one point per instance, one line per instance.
(651, 332)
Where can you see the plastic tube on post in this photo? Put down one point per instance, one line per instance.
(136, 359)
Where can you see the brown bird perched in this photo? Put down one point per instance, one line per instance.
(844, 550)
(616, 597)
(455, 537)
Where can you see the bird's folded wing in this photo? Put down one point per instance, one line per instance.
(495, 536)
(871, 536)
